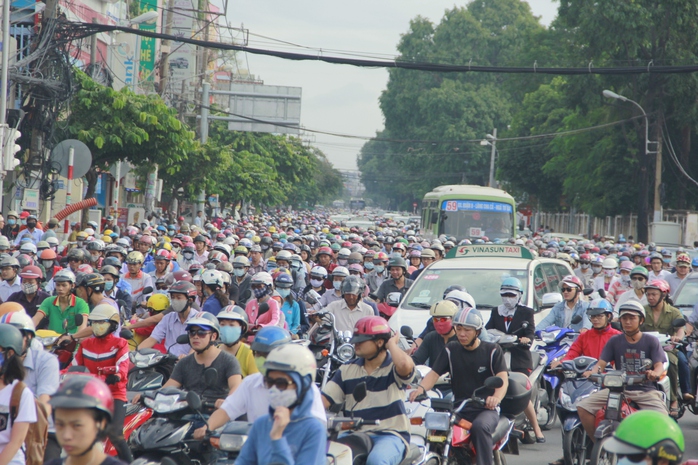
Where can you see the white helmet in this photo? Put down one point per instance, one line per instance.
(262, 278)
(20, 320)
(462, 297)
(291, 358)
(609, 264)
(104, 312)
(319, 271)
(212, 278)
(340, 271)
(27, 247)
(632, 306)
(343, 253)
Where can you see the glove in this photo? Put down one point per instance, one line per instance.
(112, 379)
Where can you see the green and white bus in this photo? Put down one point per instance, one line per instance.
(468, 212)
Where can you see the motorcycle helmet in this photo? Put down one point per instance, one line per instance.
(660, 438)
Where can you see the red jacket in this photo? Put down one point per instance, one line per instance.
(591, 343)
(105, 352)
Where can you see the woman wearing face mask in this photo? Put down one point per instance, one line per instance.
(233, 321)
(11, 373)
(596, 269)
(289, 307)
(603, 281)
(31, 295)
(290, 433)
(316, 283)
(621, 283)
(509, 318)
(187, 259)
(107, 351)
(261, 315)
(214, 292)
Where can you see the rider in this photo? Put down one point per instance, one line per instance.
(251, 399)
(233, 322)
(660, 315)
(388, 369)
(657, 267)
(512, 317)
(638, 279)
(470, 362)
(398, 282)
(350, 309)
(31, 295)
(661, 441)
(434, 341)
(584, 272)
(136, 278)
(562, 313)
(262, 288)
(296, 435)
(62, 309)
(683, 267)
(338, 275)
(108, 350)
(625, 351)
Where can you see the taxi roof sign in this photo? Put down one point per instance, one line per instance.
(490, 250)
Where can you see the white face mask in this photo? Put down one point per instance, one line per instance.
(316, 282)
(625, 279)
(510, 302)
(609, 273)
(637, 285)
(179, 305)
(596, 269)
(337, 284)
(279, 398)
(584, 266)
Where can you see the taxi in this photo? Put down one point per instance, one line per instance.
(480, 269)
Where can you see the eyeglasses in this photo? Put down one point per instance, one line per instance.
(637, 278)
(591, 317)
(566, 289)
(281, 383)
(441, 319)
(198, 332)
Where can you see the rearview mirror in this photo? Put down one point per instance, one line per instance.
(393, 299)
(576, 319)
(264, 308)
(550, 299)
(407, 332)
(79, 319)
(125, 333)
(194, 400)
(147, 290)
(359, 392)
(678, 323)
(494, 382)
(588, 291)
(183, 339)
(210, 377)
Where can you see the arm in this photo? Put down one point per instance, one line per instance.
(233, 383)
(36, 319)
(172, 383)
(549, 320)
(150, 321)
(427, 383)
(492, 401)
(148, 343)
(17, 436)
(311, 450)
(404, 366)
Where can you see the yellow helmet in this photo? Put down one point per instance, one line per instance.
(107, 239)
(272, 229)
(325, 230)
(82, 235)
(158, 302)
(443, 308)
(256, 239)
(108, 232)
(167, 238)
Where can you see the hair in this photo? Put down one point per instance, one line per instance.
(13, 369)
(668, 299)
(221, 296)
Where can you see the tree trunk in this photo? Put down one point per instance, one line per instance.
(91, 178)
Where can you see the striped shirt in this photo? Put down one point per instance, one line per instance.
(384, 401)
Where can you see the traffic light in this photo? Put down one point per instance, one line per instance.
(11, 147)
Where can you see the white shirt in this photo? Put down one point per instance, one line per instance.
(251, 398)
(345, 319)
(27, 413)
(624, 297)
(7, 289)
(664, 274)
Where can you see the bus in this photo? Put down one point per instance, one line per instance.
(468, 212)
(357, 204)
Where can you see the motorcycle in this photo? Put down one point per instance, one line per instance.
(229, 440)
(150, 370)
(573, 388)
(330, 347)
(169, 433)
(449, 437)
(557, 342)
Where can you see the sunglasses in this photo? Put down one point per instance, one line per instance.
(281, 383)
(635, 458)
(637, 279)
(441, 319)
(198, 332)
(566, 289)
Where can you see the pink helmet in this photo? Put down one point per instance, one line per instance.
(572, 281)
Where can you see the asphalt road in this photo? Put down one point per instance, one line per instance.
(541, 454)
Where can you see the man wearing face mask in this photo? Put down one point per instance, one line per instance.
(375, 278)
(316, 283)
(11, 227)
(596, 269)
(240, 286)
(584, 272)
(603, 281)
(338, 275)
(435, 341)
(620, 283)
(111, 291)
(31, 232)
(187, 258)
(562, 313)
(638, 279)
(350, 308)
(107, 350)
(251, 399)
(31, 295)
(9, 267)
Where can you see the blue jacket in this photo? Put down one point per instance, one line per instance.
(304, 441)
(556, 317)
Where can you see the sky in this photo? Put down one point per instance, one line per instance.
(336, 98)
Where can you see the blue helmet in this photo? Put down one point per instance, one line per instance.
(694, 262)
(269, 337)
(599, 306)
(511, 284)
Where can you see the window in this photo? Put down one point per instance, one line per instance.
(539, 286)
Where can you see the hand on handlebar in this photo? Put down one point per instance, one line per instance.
(555, 363)
(416, 393)
(524, 340)
(200, 433)
(491, 402)
(653, 375)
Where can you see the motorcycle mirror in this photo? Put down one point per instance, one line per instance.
(393, 299)
(264, 308)
(494, 382)
(576, 319)
(602, 293)
(147, 290)
(588, 291)
(616, 325)
(678, 323)
(359, 392)
(407, 332)
(183, 339)
(194, 400)
(79, 319)
(647, 363)
(210, 377)
(312, 296)
(125, 333)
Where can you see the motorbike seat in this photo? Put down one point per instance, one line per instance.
(412, 455)
(501, 430)
(360, 445)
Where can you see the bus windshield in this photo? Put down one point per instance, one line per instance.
(476, 224)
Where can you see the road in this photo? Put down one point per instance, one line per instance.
(541, 454)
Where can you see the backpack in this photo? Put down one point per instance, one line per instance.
(37, 436)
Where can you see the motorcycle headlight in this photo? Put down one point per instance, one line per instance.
(166, 403)
(438, 421)
(549, 336)
(345, 352)
(232, 442)
(613, 381)
(146, 360)
(48, 341)
(566, 401)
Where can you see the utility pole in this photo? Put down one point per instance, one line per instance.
(657, 216)
(205, 87)
(4, 72)
(493, 142)
(165, 47)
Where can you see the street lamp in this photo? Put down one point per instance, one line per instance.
(491, 139)
(658, 172)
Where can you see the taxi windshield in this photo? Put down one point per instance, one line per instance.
(688, 295)
(482, 284)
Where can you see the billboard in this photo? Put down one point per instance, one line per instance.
(262, 108)
(146, 66)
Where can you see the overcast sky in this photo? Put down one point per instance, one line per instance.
(337, 98)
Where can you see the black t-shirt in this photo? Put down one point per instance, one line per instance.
(190, 375)
(469, 368)
(432, 346)
(107, 461)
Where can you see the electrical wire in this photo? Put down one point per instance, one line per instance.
(672, 154)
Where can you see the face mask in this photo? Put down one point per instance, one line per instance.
(609, 273)
(584, 266)
(368, 265)
(443, 327)
(108, 285)
(24, 222)
(295, 266)
(179, 305)
(188, 255)
(316, 282)
(284, 292)
(47, 264)
(379, 269)
(637, 285)
(259, 293)
(625, 280)
(596, 269)
(239, 272)
(278, 398)
(265, 247)
(31, 225)
(337, 284)
(259, 363)
(510, 302)
(231, 334)
(29, 288)
(12, 222)
(342, 262)
(100, 329)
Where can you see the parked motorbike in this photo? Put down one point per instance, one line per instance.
(573, 388)
(330, 347)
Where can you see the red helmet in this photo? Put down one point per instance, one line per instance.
(31, 271)
(369, 328)
(324, 251)
(572, 281)
(162, 254)
(47, 254)
(181, 275)
(380, 257)
(81, 391)
(658, 284)
(585, 256)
